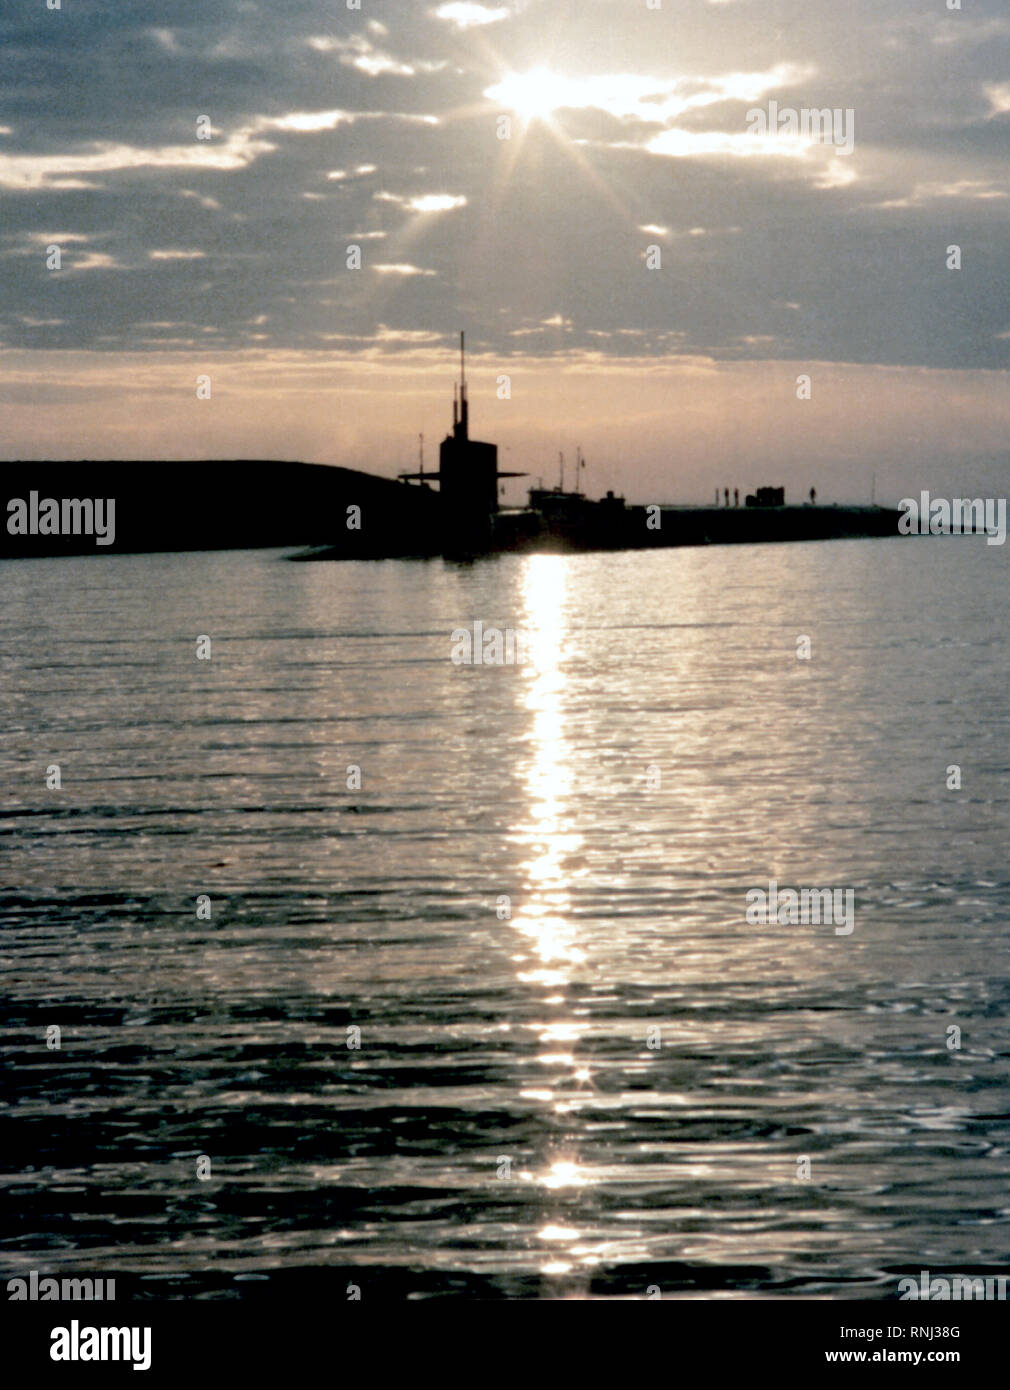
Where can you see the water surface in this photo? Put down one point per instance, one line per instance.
(505, 1128)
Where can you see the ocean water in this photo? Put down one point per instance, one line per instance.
(581, 1070)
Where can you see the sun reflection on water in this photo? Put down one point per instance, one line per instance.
(544, 916)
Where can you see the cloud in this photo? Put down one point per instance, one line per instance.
(692, 144)
(304, 121)
(401, 269)
(436, 202)
(998, 94)
(470, 16)
(357, 52)
(91, 260)
(407, 335)
(165, 39)
(32, 172)
(424, 203)
(968, 190)
(55, 238)
(204, 199)
(637, 96)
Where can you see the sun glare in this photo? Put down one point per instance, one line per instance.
(532, 95)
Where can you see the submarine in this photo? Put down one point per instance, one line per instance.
(463, 519)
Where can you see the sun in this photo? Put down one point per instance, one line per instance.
(533, 96)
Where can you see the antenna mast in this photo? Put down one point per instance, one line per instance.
(463, 411)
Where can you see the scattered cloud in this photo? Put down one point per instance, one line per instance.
(407, 335)
(636, 96)
(91, 260)
(424, 203)
(401, 269)
(998, 94)
(32, 172)
(470, 16)
(204, 199)
(437, 202)
(165, 39)
(357, 52)
(616, 140)
(968, 190)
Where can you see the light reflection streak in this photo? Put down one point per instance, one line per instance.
(544, 916)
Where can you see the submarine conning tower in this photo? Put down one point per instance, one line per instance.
(467, 477)
(467, 469)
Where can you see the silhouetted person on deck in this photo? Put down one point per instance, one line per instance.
(813, 496)
(726, 491)
(736, 497)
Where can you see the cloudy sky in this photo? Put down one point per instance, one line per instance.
(628, 129)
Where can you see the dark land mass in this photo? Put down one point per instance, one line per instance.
(232, 504)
